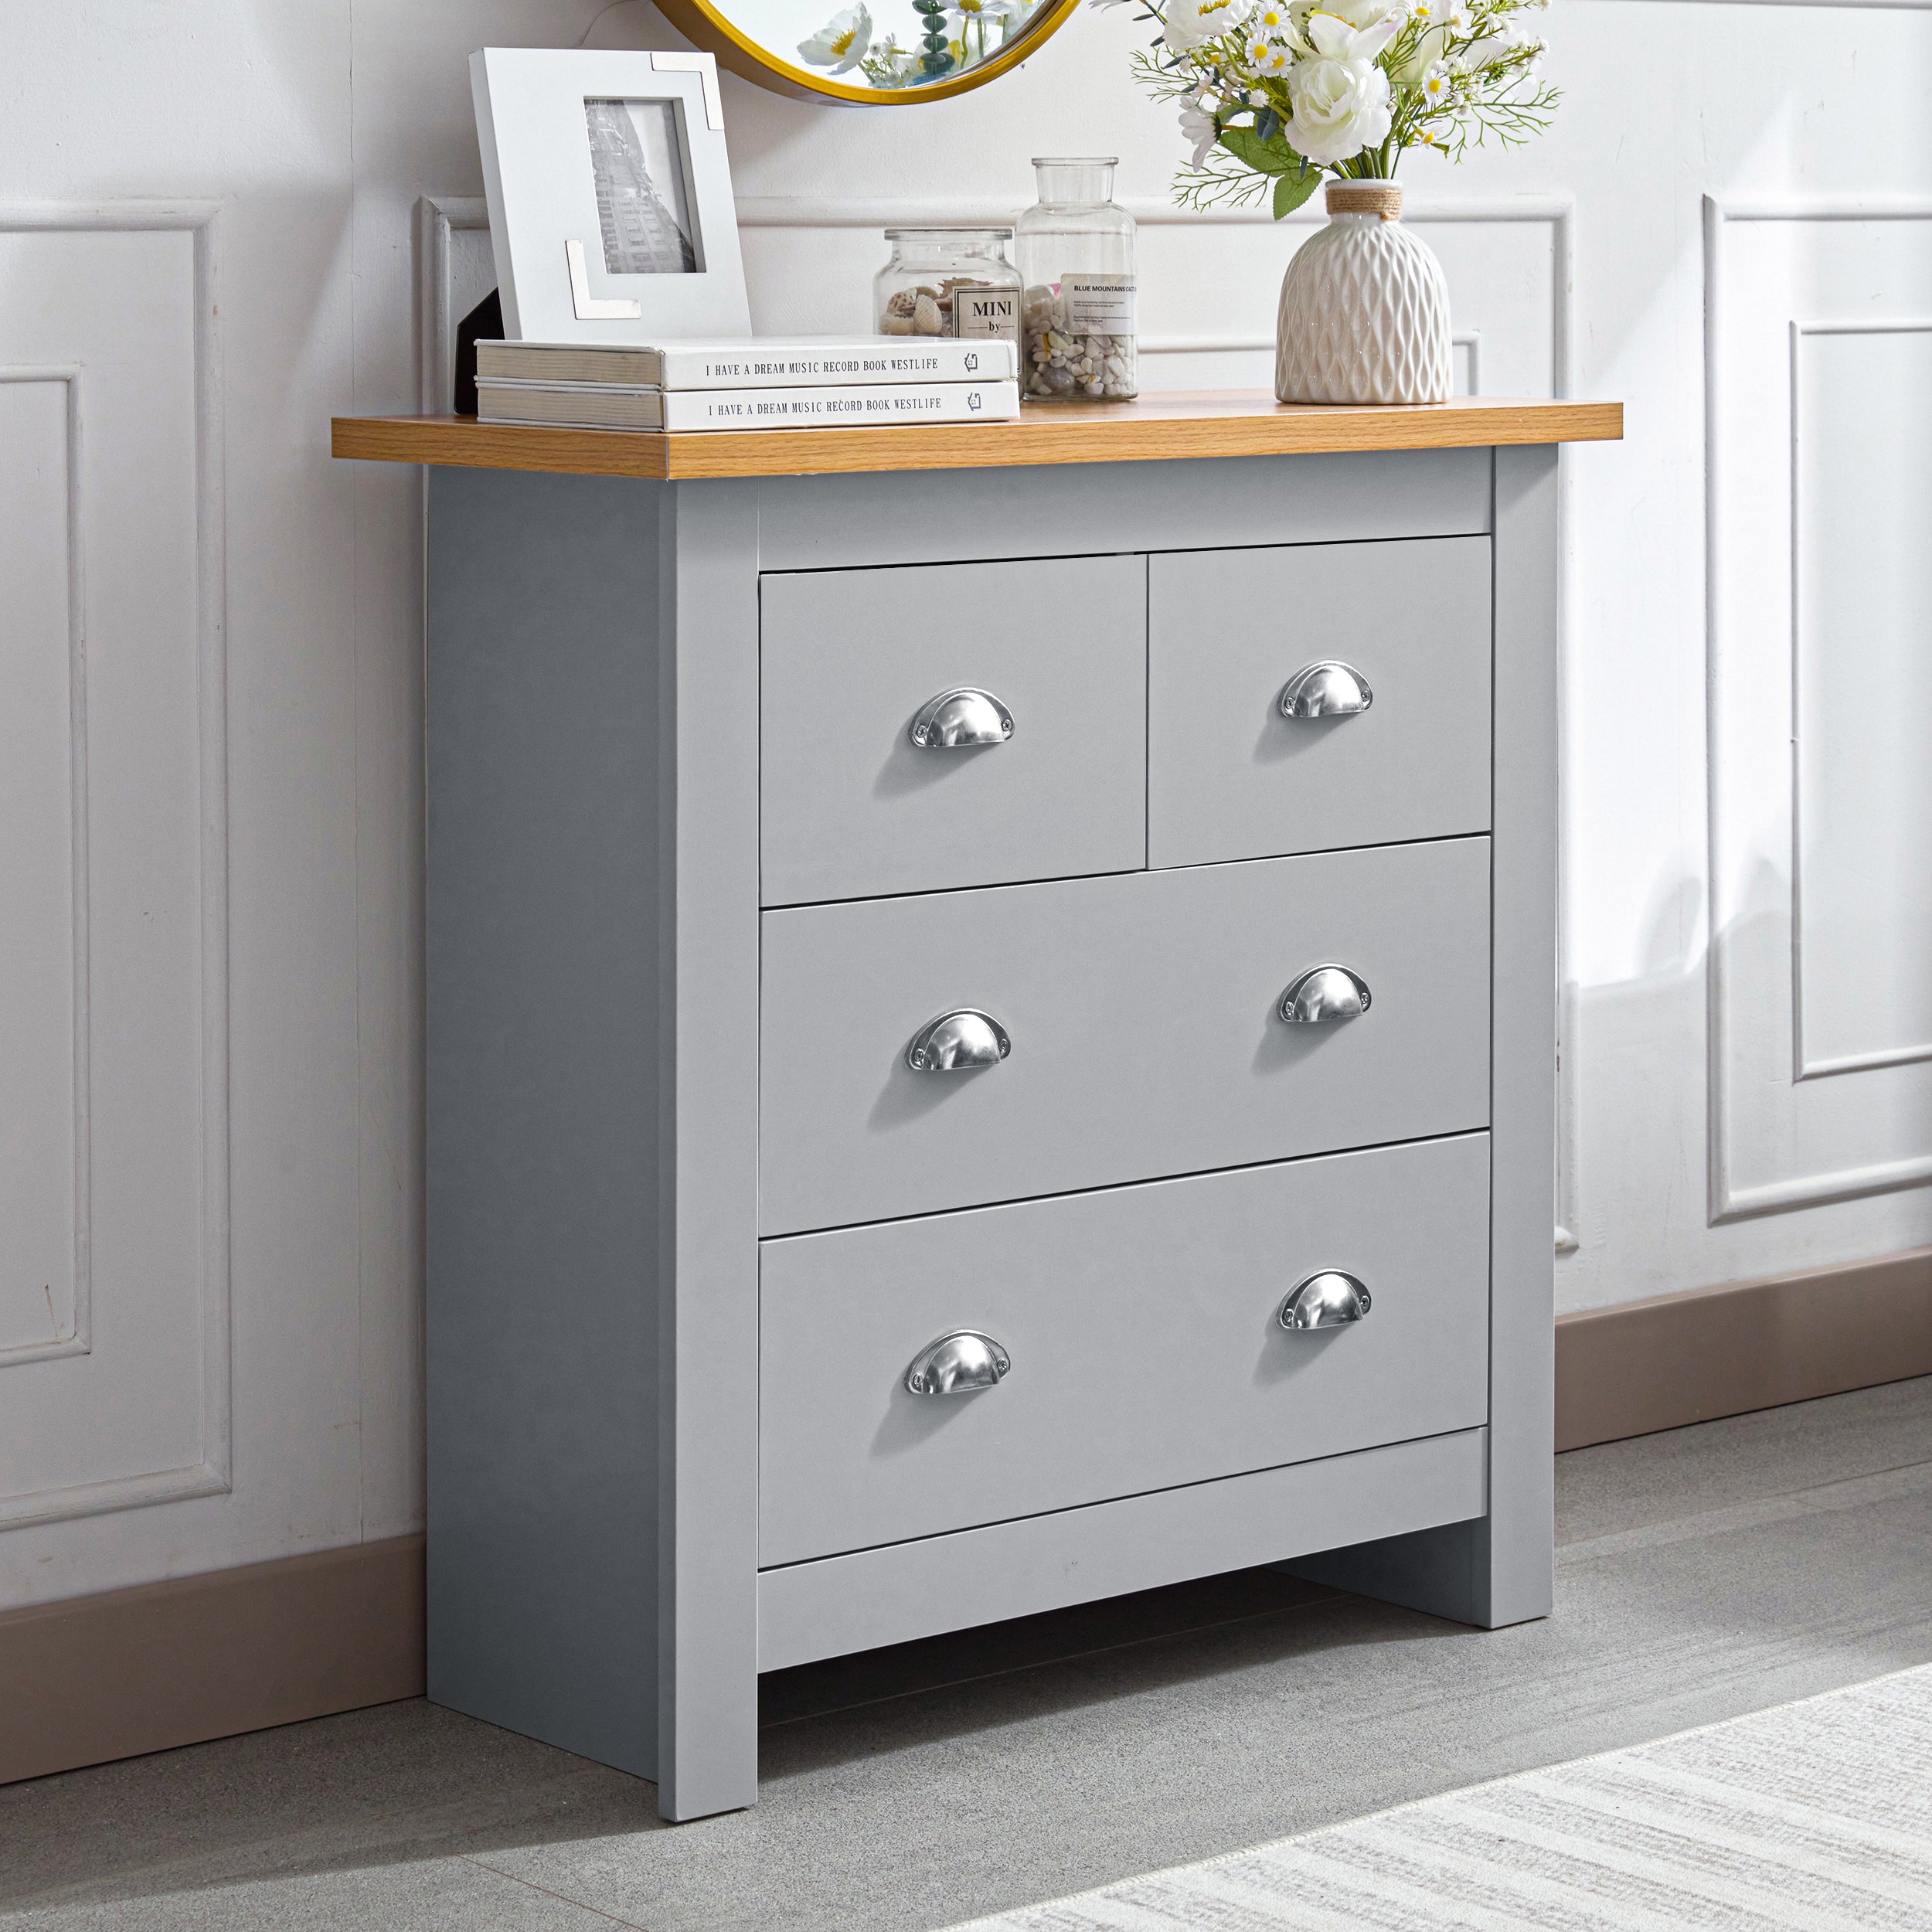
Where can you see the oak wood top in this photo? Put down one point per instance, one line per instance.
(1157, 428)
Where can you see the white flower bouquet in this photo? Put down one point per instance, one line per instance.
(1276, 93)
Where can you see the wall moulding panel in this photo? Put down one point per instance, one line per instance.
(45, 1310)
(1858, 842)
(454, 271)
(1530, 352)
(1818, 381)
(126, 1400)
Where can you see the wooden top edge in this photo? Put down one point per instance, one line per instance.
(1165, 427)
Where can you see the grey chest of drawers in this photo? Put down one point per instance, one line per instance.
(876, 1187)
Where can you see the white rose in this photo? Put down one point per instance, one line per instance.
(1341, 107)
(1388, 16)
(1190, 23)
(1363, 13)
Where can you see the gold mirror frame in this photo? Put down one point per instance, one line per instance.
(704, 26)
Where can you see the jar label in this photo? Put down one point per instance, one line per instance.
(983, 312)
(1098, 304)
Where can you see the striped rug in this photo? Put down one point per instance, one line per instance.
(1814, 1815)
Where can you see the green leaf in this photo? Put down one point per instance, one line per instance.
(1273, 157)
(1290, 192)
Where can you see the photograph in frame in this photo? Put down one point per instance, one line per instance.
(644, 200)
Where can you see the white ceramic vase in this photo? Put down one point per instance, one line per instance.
(1364, 308)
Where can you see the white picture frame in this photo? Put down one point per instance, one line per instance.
(609, 188)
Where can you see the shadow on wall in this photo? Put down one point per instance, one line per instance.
(1638, 1139)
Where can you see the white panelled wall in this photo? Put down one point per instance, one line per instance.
(222, 221)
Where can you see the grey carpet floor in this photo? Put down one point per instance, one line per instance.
(1704, 1574)
(1815, 1816)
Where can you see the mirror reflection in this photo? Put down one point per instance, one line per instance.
(887, 44)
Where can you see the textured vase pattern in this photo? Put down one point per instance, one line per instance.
(1364, 318)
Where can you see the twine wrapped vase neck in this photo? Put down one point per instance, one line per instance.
(1364, 315)
(1382, 197)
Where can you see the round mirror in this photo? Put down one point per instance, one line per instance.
(883, 52)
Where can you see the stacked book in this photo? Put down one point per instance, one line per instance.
(747, 385)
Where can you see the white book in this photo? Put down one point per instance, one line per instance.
(604, 406)
(754, 364)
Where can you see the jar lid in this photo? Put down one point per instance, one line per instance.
(955, 234)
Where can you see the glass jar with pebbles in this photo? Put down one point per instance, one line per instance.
(1075, 251)
(948, 281)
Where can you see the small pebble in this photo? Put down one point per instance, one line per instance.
(1065, 364)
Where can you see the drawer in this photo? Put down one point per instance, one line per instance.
(1141, 1326)
(1142, 1015)
(850, 807)
(1229, 777)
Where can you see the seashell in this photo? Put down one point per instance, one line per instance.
(903, 303)
(926, 315)
(892, 325)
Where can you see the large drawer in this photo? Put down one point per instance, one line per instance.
(1142, 1011)
(1142, 1326)
(849, 806)
(1230, 776)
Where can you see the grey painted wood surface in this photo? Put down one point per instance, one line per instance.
(1515, 1577)
(1140, 1324)
(707, 957)
(903, 1591)
(1500, 1570)
(543, 1106)
(850, 806)
(1141, 1010)
(1230, 777)
(939, 516)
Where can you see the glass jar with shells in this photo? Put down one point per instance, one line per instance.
(1076, 250)
(948, 281)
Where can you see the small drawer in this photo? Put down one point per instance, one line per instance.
(1142, 1326)
(850, 807)
(1141, 1019)
(1405, 626)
